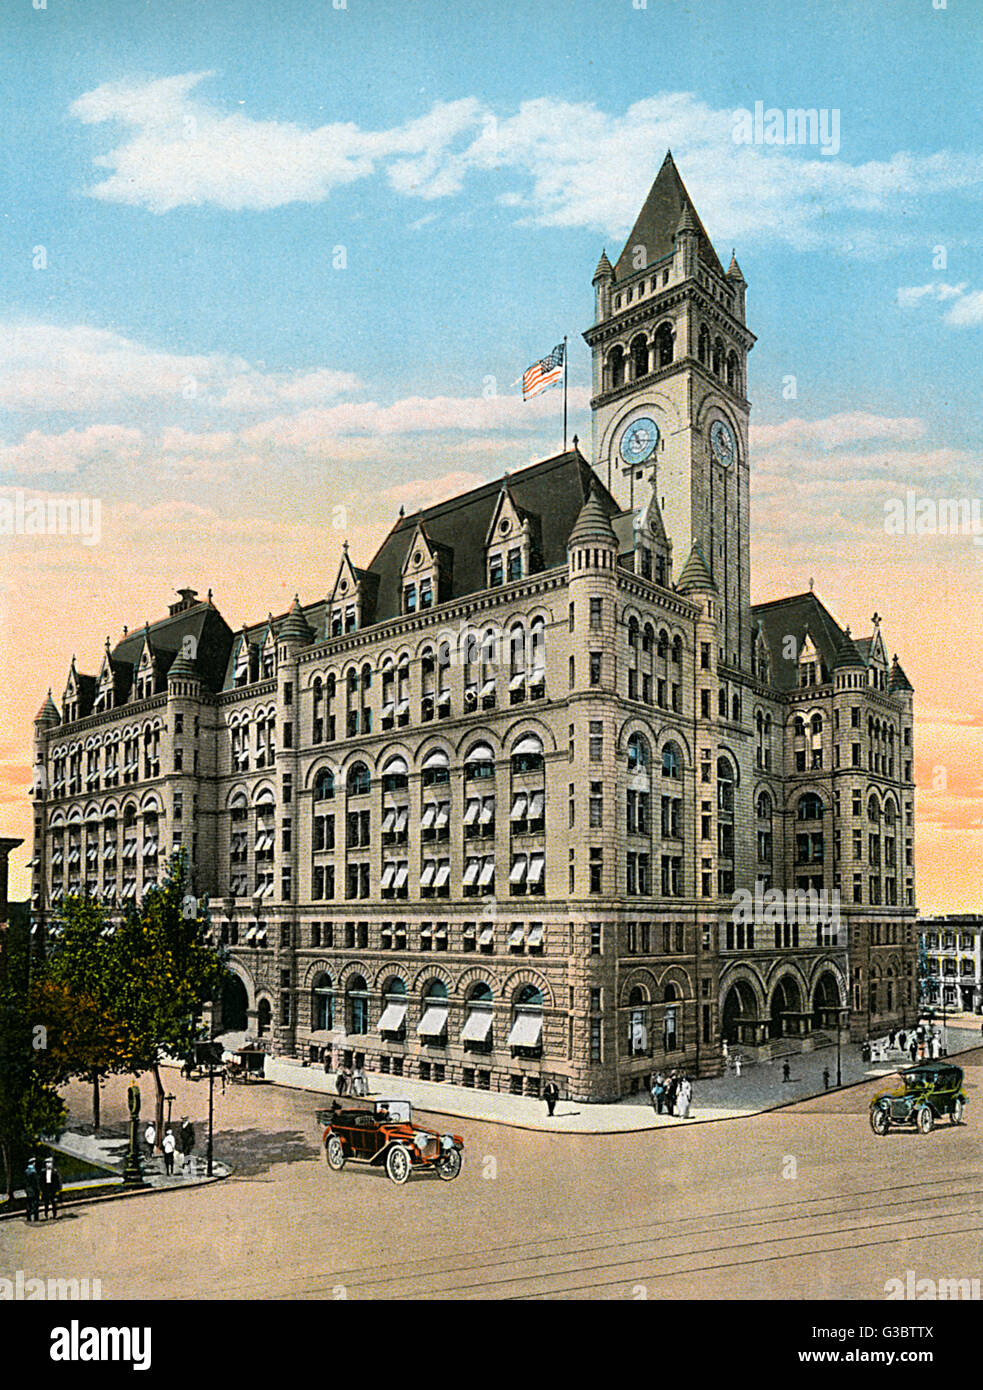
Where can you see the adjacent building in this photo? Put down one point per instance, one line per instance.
(527, 795)
(951, 961)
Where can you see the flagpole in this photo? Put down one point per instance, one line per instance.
(564, 394)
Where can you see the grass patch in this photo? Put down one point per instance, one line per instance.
(71, 1167)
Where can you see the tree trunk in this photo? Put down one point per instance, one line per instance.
(96, 1112)
(159, 1111)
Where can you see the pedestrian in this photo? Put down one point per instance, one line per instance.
(551, 1094)
(169, 1144)
(865, 1051)
(913, 1049)
(672, 1086)
(891, 1036)
(50, 1188)
(902, 1041)
(326, 1060)
(684, 1095)
(32, 1191)
(786, 1071)
(186, 1142)
(825, 1078)
(150, 1138)
(658, 1092)
(738, 1061)
(359, 1086)
(341, 1082)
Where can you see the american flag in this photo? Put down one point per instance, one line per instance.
(544, 373)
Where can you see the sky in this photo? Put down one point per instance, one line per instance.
(270, 272)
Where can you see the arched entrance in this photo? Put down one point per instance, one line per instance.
(235, 1005)
(786, 1000)
(825, 1001)
(264, 1017)
(740, 1013)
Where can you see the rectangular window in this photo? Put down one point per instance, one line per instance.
(595, 938)
(596, 741)
(595, 614)
(595, 668)
(596, 869)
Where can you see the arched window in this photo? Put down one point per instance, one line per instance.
(479, 763)
(526, 1035)
(648, 638)
(616, 367)
(357, 1004)
(633, 632)
(816, 724)
(677, 650)
(638, 753)
(359, 780)
(799, 726)
(324, 785)
(672, 761)
(703, 346)
(638, 1043)
(264, 1017)
(725, 785)
(663, 650)
(732, 373)
(322, 1004)
(395, 775)
(810, 807)
(873, 811)
(527, 755)
(639, 357)
(663, 346)
(718, 357)
(392, 1023)
(764, 806)
(436, 768)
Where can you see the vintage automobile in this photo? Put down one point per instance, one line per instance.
(929, 1091)
(383, 1134)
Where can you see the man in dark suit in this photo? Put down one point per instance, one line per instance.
(32, 1190)
(551, 1094)
(50, 1188)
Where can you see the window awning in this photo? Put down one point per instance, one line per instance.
(434, 1021)
(443, 874)
(517, 935)
(388, 708)
(537, 805)
(402, 874)
(388, 874)
(536, 936)
(403, 705)
(519, 805)
(437, 758)
(520, 866)
(471, 872)
(531, 743)
(472, 810)
(537, 864)
(443, 697)
(395, 767)
(389, 821)
(393, 1018)
(487, 872)
(402, 816)
(481, 752)
(488, 811)
(477, 1025)
(487, 936)
(517, 681)
(487, 689)
(429, 816)
(538, 675)
(429, 869)
(526, 1031)
(443, 814)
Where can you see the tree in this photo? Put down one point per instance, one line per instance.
(163, 972)
(86, 1037)
(29, 1104)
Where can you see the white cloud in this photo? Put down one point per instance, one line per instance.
(850, 427)
(967, 312)
(76, 367)
(39, 453)
(570, 164)
(939, 290)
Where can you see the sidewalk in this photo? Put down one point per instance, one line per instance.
(759, 1087)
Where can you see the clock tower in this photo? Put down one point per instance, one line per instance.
(670, 412)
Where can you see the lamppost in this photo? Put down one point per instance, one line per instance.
(839, 1038)
(209, 1054)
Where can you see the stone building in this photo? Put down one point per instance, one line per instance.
(953, 952)
(528, 795)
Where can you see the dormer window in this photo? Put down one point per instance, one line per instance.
(515, 564)
(409, 598)
(426, 593)
(351, 621)
(645, 562)
(337, 622)
(269, 663)
(496, 573)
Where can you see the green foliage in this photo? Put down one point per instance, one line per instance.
(29, 1104)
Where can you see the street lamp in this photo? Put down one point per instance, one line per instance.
(209, 1054)
(839, 1035)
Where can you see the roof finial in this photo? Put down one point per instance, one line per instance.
(209, 596)
(876, 620)
(402, 509)
(576, 441)
(811, 583)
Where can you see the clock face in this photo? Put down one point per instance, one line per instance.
(722, 443)
(639, 440)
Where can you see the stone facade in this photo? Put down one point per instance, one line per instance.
(486, 813)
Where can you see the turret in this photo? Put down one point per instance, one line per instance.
(602, 282)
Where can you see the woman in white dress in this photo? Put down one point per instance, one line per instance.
(683, 1097)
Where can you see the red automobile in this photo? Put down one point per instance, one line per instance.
(385, 1136)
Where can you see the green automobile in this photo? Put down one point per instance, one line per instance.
(930, 1090)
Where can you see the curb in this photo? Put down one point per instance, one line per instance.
(124, 1194)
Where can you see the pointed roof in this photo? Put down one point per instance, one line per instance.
(898, 680)
(696, 574)
(295, 627)
(846, 652)
(734, 270)
(183, 666)
(593, 522)
(604, 268)
(48, 713)
(659, 220)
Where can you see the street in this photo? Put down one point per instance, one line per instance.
(804, 1202)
